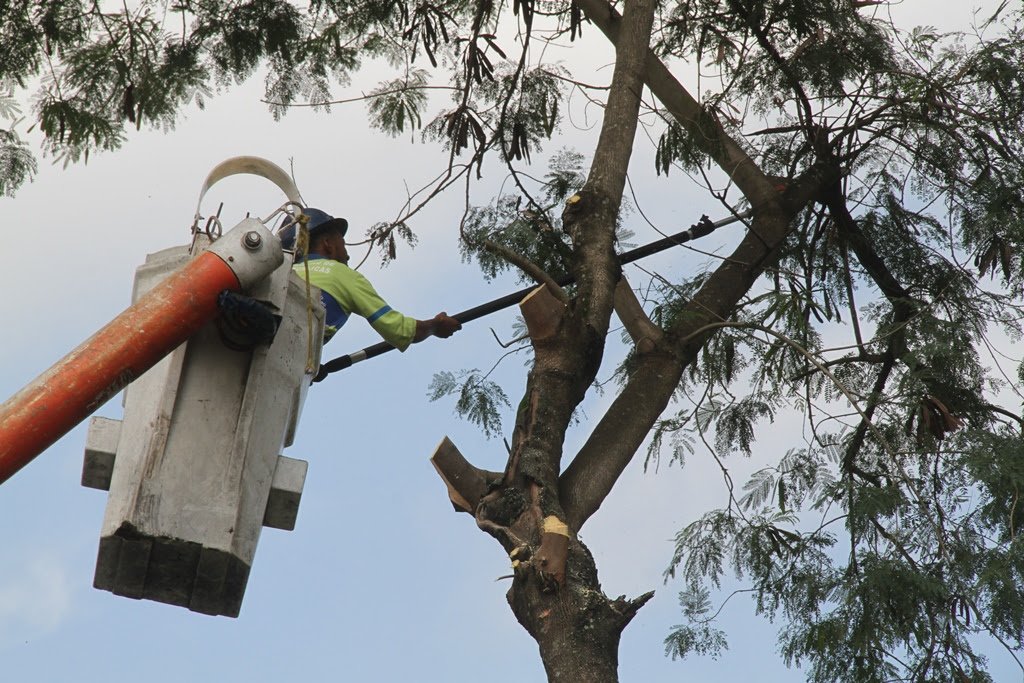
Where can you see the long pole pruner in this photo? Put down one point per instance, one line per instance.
(705, 226)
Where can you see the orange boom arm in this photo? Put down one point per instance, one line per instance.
(132, 343)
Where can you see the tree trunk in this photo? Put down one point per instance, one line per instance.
(577, 627)
(555, 591)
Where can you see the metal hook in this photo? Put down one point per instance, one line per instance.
(213, 226)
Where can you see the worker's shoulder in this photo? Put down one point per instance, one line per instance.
(323, 266)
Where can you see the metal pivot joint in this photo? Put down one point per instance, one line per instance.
(252, 240)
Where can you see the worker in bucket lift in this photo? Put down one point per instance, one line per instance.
(344, 291)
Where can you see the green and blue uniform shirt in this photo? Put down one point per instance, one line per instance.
(344, 291)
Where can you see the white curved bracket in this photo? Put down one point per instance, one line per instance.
(251, 165)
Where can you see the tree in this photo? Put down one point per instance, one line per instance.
(872, 160)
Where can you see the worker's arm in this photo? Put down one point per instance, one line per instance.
(441, 325)
(357, 294)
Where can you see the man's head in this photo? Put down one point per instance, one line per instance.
(321, 221)
(326, 235)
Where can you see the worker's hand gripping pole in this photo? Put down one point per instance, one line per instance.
(131, 343)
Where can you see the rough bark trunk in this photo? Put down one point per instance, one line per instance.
(577, 628)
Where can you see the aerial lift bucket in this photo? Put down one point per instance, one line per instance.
(194, 468)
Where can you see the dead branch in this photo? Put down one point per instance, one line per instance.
(466, 484)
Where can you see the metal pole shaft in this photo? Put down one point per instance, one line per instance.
(700, 229)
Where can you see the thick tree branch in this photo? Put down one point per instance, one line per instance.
(708, 134)
(590, 476)
(903, 304)
(590, 216)
(592, 473)
(569, 341)
(804, 103)
(866, 254)
(853, 450)
(564, 368)
(960, 400)
(758, 250)
(644, 333)
(597, 466)
(524, 264)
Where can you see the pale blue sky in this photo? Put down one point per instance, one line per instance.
(381, 580)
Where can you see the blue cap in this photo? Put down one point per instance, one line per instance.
(318, 221)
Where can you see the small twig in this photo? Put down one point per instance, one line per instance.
(1013, 510)
(361, 98)
(506, 345)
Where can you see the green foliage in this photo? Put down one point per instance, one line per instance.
(245, 33)
(386, 237)
(564, 177)
(703, 545)
(926, 560)
(677, 146)
(285, 86)
(458, 129)
(679, 438)
(397, 105)
(525, 226)
(141, 63)
(479, 399)
(16, 161)
(528, 225)
(532, 113)
(735, 424)
(527, 232)
(696, 636)
(32, 32)
(908, 590)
